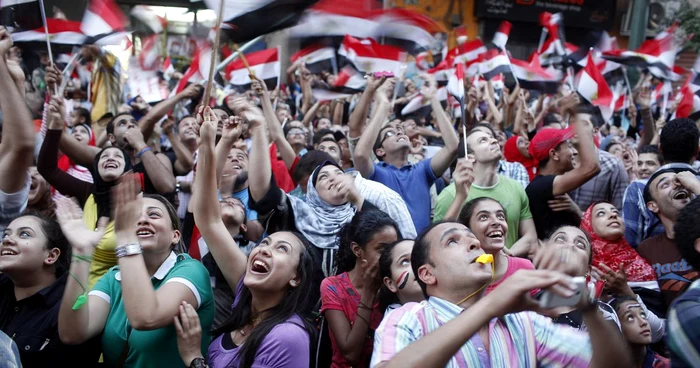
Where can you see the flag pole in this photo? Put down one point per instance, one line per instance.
(664, 106)
(214, 49)
(517, 83)
(543, 36)
(48, 38)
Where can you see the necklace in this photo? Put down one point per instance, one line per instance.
(250, 326)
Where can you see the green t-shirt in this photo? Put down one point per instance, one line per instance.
(508, 192)
(155, 348)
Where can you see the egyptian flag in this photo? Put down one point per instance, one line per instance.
(467, 52)
(531, 75)
(591, 85)
(149, 57)
(500, 38)
(265, 64)
(148, 22)
(348, 82)
(20, 14)
(167, 69)
(244, 20)
(495, 62)
(104, 23)
(62, 32)
(688, 100)
(197, 72)
(442, 72)
(317, 58)
(407, 29)
(455, 86)
(336, 18)
(368, 56)
(656, 55)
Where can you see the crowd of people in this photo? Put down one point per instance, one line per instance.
(269, 229)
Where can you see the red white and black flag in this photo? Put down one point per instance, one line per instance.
(62, 32)
(494, 62)
(104, 23)
(20, 14)
(591, 85)
(244, 20)
(367, 55)
(265, 64)
(348, 83)
(317, 58)
(531, 75)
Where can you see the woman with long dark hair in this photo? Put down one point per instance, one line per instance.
(93, 197)
(274, 287)
(349, 298)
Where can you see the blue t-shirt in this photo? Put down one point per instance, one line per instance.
(243, 196)
(412, 182)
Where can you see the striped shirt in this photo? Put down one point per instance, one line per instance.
(515, 171)
(683, 328)
(523, 339)
(609, 185)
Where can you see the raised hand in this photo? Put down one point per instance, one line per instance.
(233, 128)
(207, 131)
(463, 176)
(135, 139)
(370, 275)
(167, 127)
(53, 77)
(189, 333)
(56, 117)
(346, 187)
(128, 207)
(644, 97)
(615, 281)
(5, 42)
(429, 88)
(82, 239)
(513, 295)
(191, 91)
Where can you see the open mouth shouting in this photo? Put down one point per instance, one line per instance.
(259, 267)
(681, 195)
(495, 234)
(110, 164)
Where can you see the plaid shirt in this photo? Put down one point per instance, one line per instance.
(516, 340)
(640, 223)
(609, 185)
(684, 328)
(515, 171)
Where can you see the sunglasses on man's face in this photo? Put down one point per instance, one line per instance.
(389, 134)
(293, 132)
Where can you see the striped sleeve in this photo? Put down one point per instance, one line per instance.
(399, 328)
(683, 328)
(559, 346)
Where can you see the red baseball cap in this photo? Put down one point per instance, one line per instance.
(548, 139)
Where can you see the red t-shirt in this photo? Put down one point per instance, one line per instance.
(514, 264)
(338, 293)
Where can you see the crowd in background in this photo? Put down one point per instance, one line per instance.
(269, 229)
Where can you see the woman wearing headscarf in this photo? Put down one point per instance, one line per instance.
(331, 198)
(94, 198)
(603, 222)
(515, 150)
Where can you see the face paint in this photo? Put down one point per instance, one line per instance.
(634, 306)
(403, 280)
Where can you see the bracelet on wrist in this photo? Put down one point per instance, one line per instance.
(198, 362)
(142, 151)
(127, 250)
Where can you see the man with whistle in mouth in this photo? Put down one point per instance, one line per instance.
(457, 326)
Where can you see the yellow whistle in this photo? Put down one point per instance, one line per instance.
(484, 258)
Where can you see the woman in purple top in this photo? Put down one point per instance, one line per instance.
(274, 285)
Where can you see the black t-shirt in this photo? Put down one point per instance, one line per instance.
(539, 192)
(33, 324)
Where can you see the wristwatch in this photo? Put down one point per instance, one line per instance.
(198, 362)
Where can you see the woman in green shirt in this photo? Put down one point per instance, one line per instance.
(134, 316)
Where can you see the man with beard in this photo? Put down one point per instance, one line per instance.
(667, 192)
(187, 135)
(18, 138)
